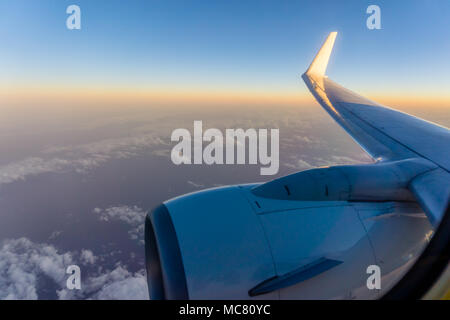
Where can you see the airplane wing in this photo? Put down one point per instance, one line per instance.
(386, 134)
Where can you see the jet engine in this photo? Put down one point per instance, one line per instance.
(316, 234)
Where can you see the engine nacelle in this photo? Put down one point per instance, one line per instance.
(263, 241)
(214, 239)
(383, 181)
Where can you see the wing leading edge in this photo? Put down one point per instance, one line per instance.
(386, 134)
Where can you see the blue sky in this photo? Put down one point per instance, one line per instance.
(221, 45)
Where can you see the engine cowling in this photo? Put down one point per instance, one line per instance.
(239, 242)
(222, 249)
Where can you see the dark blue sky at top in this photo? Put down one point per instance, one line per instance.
(225, 44)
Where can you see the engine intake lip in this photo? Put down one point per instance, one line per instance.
(165, 271)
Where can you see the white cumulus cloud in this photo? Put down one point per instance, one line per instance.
(24, 263)
(131, 215)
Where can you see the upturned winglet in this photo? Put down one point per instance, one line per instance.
(319, 65)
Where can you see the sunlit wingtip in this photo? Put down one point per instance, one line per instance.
(319, 65)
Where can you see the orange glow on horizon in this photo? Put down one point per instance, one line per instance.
(56, 95)
(413, 101)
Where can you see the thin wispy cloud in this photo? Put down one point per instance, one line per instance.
(78, 158)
